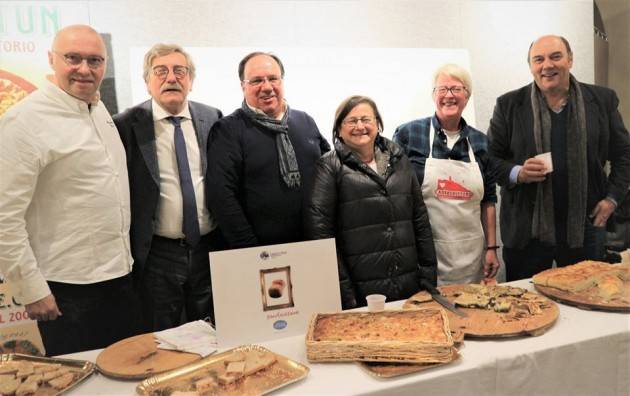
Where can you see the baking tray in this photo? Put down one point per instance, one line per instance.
(84, 367)
(283, 372)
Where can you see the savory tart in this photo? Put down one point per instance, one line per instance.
(396, 336)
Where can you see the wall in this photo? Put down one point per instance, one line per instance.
(496, 33)
(616, 18)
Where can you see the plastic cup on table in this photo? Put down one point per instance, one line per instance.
(375, 302)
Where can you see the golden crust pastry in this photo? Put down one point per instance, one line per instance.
(609, 286)
(419, 336)
(606, 278)
(573, 278)
(257, 361)
(27, 388)
(62, 382)
(366, 327)
(9, 385)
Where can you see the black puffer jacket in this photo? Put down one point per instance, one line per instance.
(384, 240)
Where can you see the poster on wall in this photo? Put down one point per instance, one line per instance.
(18, 333)
(27, 29)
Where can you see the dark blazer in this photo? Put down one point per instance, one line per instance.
(137, 133)
(512, 142)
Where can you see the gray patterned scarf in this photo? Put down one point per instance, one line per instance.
(287, 161)
(543, 227)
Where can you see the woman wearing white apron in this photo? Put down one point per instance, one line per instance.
(451, 161)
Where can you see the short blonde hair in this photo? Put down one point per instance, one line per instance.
(455, 71)
(162, 50)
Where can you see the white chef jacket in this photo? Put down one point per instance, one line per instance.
(64, 194)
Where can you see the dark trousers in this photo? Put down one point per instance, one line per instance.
(93, 316)
(537, 257)
(175, 285)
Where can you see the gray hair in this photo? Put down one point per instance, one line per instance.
(455, 71)
(162, 50)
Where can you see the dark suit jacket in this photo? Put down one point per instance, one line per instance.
(512, 142)
(135, 126)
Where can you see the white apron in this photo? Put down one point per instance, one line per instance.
(452, 191)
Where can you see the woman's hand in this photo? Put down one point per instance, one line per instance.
(491, 264)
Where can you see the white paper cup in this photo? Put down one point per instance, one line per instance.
(375, 302)
(546, 157)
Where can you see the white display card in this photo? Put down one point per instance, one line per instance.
(270, 292)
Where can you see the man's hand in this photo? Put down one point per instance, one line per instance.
(533, 171)
(602, 212)
(44, 309)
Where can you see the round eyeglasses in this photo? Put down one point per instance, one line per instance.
(161, 71)
(353, 122)
(455, 90)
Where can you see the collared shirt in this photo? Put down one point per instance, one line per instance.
(414, 139)
(64, 194)
(170, 211)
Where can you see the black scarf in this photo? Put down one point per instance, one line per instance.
(543, 227)
(287, 161)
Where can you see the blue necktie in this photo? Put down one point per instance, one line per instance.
(190, 224)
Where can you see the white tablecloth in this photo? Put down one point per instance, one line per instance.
(584, 353)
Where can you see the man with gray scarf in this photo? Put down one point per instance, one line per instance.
(559, 212)
(261, 159)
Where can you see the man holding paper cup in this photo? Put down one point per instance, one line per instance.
(551, 140)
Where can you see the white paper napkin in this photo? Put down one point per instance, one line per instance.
(195, 337)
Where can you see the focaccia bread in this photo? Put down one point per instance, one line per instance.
(607, 278)
(574, 278)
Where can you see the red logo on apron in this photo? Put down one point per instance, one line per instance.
(448, 189)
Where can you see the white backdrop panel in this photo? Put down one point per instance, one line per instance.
(318, 79)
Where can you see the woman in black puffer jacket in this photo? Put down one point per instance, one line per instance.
(366, 195)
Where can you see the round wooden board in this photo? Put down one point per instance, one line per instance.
(583, 300)
(138, 358)
(484, 323)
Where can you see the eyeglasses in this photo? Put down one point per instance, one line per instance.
(73, 59)
(257, 81)
(353, 122)
(455, 90)
(162, 71)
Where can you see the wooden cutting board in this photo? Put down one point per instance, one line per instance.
(390, 370)
(588, 299)
(138, 357)
(487, 323)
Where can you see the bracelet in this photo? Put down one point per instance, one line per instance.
(493, 247)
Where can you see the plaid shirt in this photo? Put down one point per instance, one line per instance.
(413, 137)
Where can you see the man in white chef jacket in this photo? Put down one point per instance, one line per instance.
(64, 203)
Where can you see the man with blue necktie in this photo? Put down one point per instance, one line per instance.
(171, 228)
